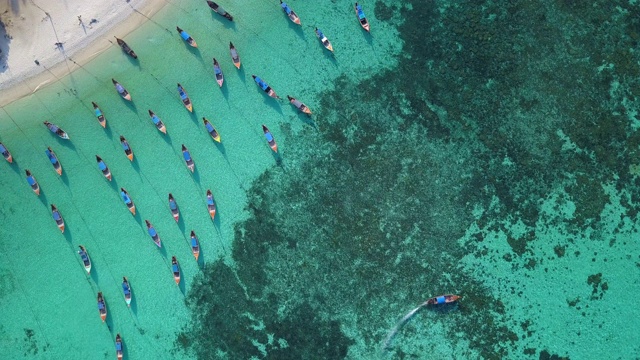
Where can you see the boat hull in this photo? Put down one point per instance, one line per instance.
(130, 156)
(9, 158)
(36, 189)
(132, 209)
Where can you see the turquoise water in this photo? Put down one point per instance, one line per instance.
(450, 151)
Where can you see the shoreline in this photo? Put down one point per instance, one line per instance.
(25, 82)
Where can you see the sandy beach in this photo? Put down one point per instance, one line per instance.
(42, 41)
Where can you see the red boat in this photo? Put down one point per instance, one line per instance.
(443, 299)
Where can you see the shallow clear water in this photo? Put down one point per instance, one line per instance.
(452, 150)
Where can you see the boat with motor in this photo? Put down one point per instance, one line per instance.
(175, 268)
(361, 17)
(86, 261)
(127, 201)
(31, 180)
(57, 130)
(265, 87)
(290, 13)
(119, 352)
(218, 72)
(5, 153)
(153, 233)
(323, 39)
(211, 130)
(54, 160)
(103, 167)
(211, 204)
(99, 115)
(218, 9)
(125, 47)
(173, 206)
(187, 158)
(185, 98)
(234, 55)
(299, 105)
(186, 37)
(126, 148)
(270, 139)
(157, 122)
(102, 307)
(195, 245)
(57, 217)
(126, 289)
(443, 299)
(121, 90)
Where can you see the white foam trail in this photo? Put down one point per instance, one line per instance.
(400, 324)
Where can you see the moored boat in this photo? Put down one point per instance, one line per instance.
(185, 98)
(361, 17)
(152, 232)
(218, 72)
(102, 307)
(125, 47)
(5, 153)
(186, 37)
(187, 158)
(290, 13)
(119, 352)
(195, 245)
(99, 115)
(323, 39)
(127, 201)
(31, 180)
(270, 139)
(57, 217)
(126, 148)
(173, 206)
(121, 90)
(234, 55)
(211, 204)
(443, 299)
(299, 105)
(126, 289)
(175, 268)
(57, 130)
(211, 130)
(157, 122)
(218, 9)
(265, 87)
(103, 167)
(54, 160)
(86, 261)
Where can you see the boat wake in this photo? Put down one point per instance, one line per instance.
(399, 325)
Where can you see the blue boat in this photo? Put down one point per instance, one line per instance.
(265, 87)
(186, 37)
(32, 182)
(187, 158)
(127, 201)
(152, 232)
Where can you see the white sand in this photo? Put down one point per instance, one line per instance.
(35, 26)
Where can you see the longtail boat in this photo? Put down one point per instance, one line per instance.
(5, 153)
(218, 72)
(234, 55)
(126, 148)
(121, 90)
(103, 167)
(127, 201)
(265, 87)
(119, 352)
(270, 139)
(195, 245)
(211, 130)
(290, 13)
(218, 9)
(323, 39)
(31, 180)
(57, 217)
(86, 261)
(157, 122)
(442, 299)
(173, 206)
(211, 205)
(185, 98)
(175, 268)
(126, 289)
(102, 307)
(299, 105)
(186, 37)
(57, 130)
(187, 158)
(125, 47)
(54, 160)
(361, 17)
(152, 232)
(99, 115)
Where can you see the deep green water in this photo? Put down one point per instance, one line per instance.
(487, 149)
